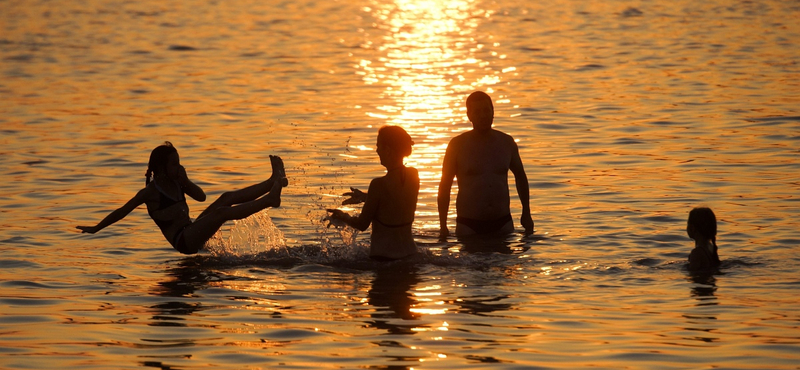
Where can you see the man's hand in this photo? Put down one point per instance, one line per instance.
(527, 223)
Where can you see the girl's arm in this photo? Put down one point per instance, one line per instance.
(117, 214)
(189, 187)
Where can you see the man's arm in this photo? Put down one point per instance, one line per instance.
(445, 185)
(523, 190)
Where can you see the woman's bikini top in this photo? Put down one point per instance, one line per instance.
(402, 181)
(392, 226)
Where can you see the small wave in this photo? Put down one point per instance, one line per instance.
(20, 58)
(590, 67)
(649, 262)
(17, 264)
(182, 48)
(631, 12)
(737, 262)
(774, 118)
(23, 284)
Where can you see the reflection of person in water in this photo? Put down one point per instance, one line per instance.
(705, 285)
(702, 227)
(185, 279)
(391, 200)
(480, 159)
(165, 196)
(391, 288)
(700, 319)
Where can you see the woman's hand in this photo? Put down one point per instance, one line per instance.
(336, 218)
(356, 197)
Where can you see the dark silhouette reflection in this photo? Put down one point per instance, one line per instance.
(699, 320)
(705, 284)
(492, 244)
(391, 288)
(481, 306)
(184, 279)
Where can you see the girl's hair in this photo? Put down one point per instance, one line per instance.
(158, 160)
(396, 138)
(705, 223)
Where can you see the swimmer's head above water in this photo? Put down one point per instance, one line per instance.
(164, 160)
(480, 110)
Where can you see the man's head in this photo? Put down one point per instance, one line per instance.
(480, 110)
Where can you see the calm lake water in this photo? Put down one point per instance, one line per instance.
(627, 115)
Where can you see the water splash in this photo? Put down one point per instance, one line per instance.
(247, 237)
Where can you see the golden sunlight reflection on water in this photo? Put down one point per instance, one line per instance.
(428, 63)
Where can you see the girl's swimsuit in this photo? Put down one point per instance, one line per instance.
(165, 201)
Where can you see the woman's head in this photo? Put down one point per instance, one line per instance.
(160, 159)
(396, 139)
(702, 224)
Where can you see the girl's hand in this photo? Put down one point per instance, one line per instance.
(88, 229)
(182, 177)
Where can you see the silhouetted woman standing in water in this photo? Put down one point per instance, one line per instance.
(391, 200)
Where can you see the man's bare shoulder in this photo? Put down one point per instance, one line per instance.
(502, 135)
(460, 138)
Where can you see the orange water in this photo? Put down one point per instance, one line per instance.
(627, 115)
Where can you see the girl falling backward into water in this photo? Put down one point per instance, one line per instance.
(702, 227)
(165, 197)
(390, 202)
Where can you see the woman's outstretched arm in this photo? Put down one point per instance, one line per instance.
(362, 221)
(117, 214)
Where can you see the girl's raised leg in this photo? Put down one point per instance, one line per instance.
(202, 229)
(251, 192)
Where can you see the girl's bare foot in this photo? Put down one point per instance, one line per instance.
(278, 171)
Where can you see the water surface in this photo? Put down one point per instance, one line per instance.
(627, 115)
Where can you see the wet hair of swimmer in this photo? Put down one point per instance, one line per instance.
(396, 138)
(158, 160)
(479, 97)
(704, 222)
(480, 109)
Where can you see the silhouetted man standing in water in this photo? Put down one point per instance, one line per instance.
(481, 159)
